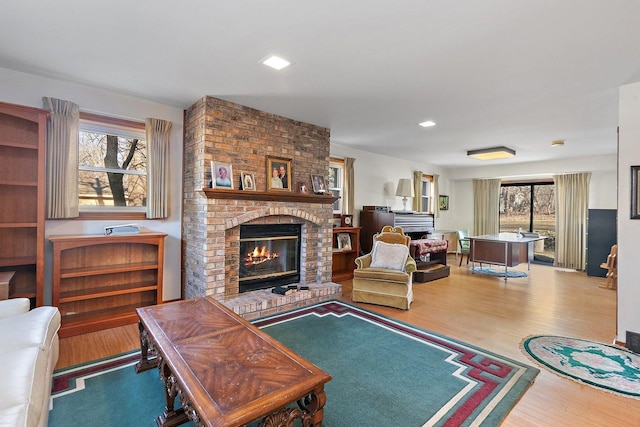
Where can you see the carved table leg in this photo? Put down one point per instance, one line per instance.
(310, 411)
(170, 417)
(145, 363)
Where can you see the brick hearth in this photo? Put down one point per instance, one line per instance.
(243, 137)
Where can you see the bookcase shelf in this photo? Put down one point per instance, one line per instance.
(99, 281)
(22, 198)
(344, 260)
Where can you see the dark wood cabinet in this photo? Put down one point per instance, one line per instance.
(22, 199)
(344, 255)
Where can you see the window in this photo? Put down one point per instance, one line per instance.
(112, 165)
(336, 183)
(530, 207)
(426, 193)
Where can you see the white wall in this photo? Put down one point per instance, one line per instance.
(602, 186)
(27, 89)
(628, 229)
(376, 178)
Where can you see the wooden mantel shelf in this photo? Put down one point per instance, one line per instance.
(273, 196)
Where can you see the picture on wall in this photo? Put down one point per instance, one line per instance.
(221, 175)
(443, 203)
(278, 174)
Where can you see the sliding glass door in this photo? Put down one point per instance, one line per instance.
(530, 207)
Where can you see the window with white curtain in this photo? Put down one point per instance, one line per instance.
(336, 183)
(112, 165)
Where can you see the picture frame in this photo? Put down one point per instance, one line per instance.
(221, 175)
(248, 181)
(318, 184)
(278, 174)
(303, 188)
(635, 189)
(344, 241)
(443, 203)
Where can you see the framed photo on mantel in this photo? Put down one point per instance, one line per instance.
(278, 174)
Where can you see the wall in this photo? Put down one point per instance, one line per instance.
(376, 178)
(27, 89)
(602, 186)
(628, 229)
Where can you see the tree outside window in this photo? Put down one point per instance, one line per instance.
(112, 170)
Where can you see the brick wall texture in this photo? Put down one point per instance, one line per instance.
(243, 137)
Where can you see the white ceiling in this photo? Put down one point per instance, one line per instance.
(519, 73)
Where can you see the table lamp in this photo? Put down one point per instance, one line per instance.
(404, 190)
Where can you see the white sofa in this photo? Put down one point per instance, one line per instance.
(28, 355)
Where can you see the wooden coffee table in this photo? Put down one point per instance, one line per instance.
(224, 370)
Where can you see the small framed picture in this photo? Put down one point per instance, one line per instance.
(303, 188)
(344, 241)
(248, 181)
(221, 175)
(443, 203)
(319, 186)
(278, 174)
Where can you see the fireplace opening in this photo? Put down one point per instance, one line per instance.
(269, 256)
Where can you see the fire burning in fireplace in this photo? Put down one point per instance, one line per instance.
(269, 255)
(258, 256)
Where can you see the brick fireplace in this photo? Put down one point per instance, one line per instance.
(243, 137)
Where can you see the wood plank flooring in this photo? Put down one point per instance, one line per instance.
(487, 312)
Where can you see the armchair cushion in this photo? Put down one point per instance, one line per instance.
(389, 255)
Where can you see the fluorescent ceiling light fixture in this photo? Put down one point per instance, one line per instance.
(427, 124)
(557, 143)
(492, 153)
(276, 62)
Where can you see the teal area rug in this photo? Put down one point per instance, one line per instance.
(498, 272)
(385, 373)
(607, 367)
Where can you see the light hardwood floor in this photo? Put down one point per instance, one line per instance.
(489, 313)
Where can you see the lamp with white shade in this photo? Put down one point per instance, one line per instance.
(404, 190)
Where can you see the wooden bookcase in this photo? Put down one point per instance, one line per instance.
(344, 260)
(22, 199)
(99, 281)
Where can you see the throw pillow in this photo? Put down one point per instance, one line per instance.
(389, 255)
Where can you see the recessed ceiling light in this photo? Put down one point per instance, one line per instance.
(427, 124)
(557, 143)
(276, 62)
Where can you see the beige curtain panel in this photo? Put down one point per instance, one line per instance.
(62, 158)
(486, 205)
(417, 190)
(158, 136)
(349, 187)
(572, 203)
(436, 195)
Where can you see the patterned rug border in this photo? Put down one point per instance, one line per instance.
(554, 371)
(523, 371)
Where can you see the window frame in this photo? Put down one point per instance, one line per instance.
(111, 212)
(337, 163)
(426, 178)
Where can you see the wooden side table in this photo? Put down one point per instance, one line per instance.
(5, 283)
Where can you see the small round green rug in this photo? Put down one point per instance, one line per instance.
(607, 367)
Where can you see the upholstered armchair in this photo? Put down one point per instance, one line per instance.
(384, 276)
